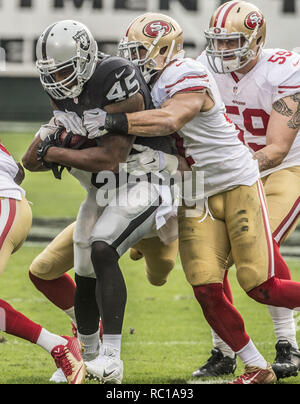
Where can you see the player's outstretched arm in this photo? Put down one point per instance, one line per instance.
(282, 130)
(173, 115)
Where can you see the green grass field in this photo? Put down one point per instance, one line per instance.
(49, 197)
(171, 337)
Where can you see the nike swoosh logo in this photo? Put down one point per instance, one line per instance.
(93, 113)
(107, 374)
(121, 74)
(252, 378)
(296, 64)
(150, 162)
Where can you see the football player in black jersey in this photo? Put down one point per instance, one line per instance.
(77, 80)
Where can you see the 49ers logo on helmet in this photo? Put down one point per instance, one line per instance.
(253, 19)
(153, 28)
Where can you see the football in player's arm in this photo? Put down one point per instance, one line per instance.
(110, 151)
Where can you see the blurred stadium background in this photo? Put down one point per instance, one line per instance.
(24, 106)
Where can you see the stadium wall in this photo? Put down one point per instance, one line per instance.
(23, 101)
(22, 21)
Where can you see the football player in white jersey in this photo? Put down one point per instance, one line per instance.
(15, 224)
(188, 102)
(261, 90)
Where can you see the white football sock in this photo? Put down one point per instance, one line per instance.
(114, 341)
(48, 341)
(249, 355)
(219, 343)
(284, 324)
(91, 345)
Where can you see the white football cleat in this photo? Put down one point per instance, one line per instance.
(107, 367)
(58, 377)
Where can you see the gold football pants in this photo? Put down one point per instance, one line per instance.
(241, 225)
(160, 259)
(282, 189)
(58, 257)
(15, 224)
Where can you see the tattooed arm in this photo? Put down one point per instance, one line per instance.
(283, 127)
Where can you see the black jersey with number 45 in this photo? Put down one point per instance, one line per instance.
(115, 79)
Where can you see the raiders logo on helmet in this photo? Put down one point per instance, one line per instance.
(153, 28)
(83, 38)
(253, 19)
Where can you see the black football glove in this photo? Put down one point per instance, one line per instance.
(52, 140)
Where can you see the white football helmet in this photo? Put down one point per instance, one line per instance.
(66, 58)
(239, 22)
(161, 38)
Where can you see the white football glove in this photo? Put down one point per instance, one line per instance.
(47, 129)
(70, 121)
(94, 121)
(149, 160)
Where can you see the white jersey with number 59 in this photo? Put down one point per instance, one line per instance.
(209, 142)
(249, 98)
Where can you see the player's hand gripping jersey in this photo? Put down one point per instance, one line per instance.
(249, 98)
(8, 171)
(209, 141)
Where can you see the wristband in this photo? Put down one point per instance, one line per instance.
(117, 123)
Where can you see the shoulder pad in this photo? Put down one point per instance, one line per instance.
(202, 58)
(185, 75)
(108, 63)
(282, 67)
(118, 79)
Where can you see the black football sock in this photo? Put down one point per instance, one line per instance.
(111, 293)
(86, 307)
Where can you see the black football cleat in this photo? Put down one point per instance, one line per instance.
(287, 361)
(216, 365)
